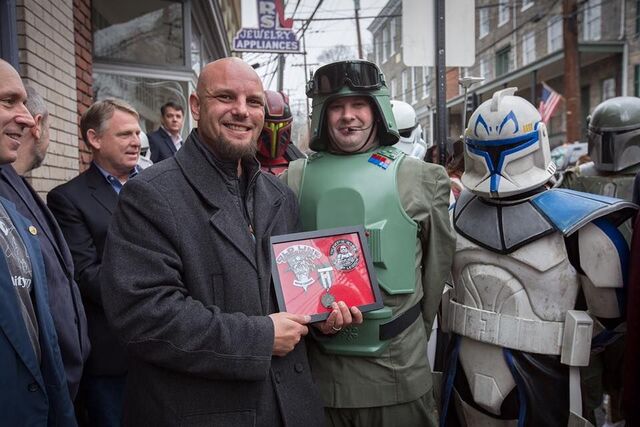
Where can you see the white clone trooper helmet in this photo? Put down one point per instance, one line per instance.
(411, 141)
(506, 148)
(144, 161)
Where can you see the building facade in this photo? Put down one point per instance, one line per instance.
(520, 43)
(146, 52)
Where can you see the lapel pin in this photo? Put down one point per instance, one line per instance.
(33, 230)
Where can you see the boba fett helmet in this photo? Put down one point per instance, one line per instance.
(350, 78)
(614, 134)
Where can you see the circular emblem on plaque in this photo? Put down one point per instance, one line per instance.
(344, 255)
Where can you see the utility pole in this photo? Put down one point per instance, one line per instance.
(442, 129)
(571, 69)
(356, 4)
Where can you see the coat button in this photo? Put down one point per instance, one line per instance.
(278, 377)
(33, 230)
(33, 387)
(298, 367)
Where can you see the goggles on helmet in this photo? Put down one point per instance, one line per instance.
(358, 75)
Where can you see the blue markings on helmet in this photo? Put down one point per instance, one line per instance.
(495, 151)
(511, 116)
(480, 121)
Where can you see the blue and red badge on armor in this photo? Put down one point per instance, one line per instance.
(383, 157)
(312, 270)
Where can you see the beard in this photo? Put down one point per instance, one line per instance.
(227, 150)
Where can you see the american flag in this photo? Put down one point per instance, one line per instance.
(549, 101)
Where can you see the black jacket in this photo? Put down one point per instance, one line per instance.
(83, 208)
(65, 303)
(188, 288)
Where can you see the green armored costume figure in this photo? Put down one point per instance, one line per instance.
(375, 373)
(614, 148)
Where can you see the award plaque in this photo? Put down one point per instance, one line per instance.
(311, 270)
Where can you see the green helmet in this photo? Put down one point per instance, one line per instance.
(350, 78)
(614, 134)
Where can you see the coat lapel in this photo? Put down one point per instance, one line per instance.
(45, 221)
(11, 320)
(207, 181)
(101, 190)
(167, 140)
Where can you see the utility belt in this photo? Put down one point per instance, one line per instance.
(372, 337)
(571, 339)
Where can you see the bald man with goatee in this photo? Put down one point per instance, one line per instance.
(187, 282)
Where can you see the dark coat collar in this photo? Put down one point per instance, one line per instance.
(210, 182)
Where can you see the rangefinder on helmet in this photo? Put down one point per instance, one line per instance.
(506, 147)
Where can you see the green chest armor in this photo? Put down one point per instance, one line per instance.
(361, 189)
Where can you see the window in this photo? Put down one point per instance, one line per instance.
(484, 23)
(636, 80)
(592, 19)
(526, 4)
(503, 12)
(426, 83)
(554, 34)
(196, 50)
(637, 17)
(405, 84)
(385, 43)
(394, 88)
(151, 33)
(528, 48)
(392, 36)
(503, 61)
(608, 88)
(484, 69)
(414, 84)
(144, 94)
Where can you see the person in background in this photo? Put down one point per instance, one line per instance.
(167, 140)
(83, 208)
(411, 142)
(34, 388)
(275, 148)
(65, 303)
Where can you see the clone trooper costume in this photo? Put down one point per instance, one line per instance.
(410, 142)
(275, 149)
(535, 274)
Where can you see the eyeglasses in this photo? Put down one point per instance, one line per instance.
(359, 75)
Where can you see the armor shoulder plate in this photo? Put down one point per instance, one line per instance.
(499, 228)
(570, 210)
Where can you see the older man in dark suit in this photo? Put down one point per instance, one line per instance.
(64, 297)
(83, 208)
(187, 281)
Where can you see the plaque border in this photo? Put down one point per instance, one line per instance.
(307, 235)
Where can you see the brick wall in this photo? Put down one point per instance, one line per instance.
(46, 43)
(83, 62)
